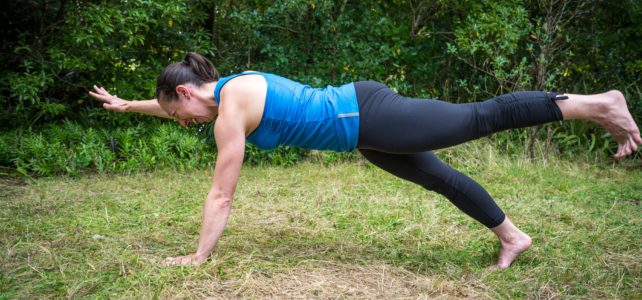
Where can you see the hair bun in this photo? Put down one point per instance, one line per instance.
(201, 66)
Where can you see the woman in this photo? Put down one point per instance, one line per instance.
(393, 132)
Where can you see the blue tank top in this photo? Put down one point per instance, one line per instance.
(298, 115)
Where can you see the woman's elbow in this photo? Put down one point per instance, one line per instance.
(224, 202)
(221, 200)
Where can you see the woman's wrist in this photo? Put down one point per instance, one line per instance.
(128, 105)
(200, 257)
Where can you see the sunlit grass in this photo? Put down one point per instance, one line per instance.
(319, 230)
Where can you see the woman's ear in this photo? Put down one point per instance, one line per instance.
(183, 90)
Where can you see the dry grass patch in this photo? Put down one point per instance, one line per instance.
(326, 280)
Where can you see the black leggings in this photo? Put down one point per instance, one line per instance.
(398, 133)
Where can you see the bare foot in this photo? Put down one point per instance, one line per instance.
(613, 114)
(512, 246)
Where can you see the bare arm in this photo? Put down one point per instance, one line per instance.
(230, 139)
(112, 102)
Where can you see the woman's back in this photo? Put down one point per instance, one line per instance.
(299, 115)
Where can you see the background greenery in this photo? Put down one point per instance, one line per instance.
(456, 50)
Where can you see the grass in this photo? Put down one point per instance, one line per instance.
(315, 230)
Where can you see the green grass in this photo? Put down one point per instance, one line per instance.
(315, 230)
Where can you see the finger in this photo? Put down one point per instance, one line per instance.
(96, 95)
(637, 138)
(632, 144)
(624, 149)
(100, 97)
(99, 90)
(629, 148)
(618, 154)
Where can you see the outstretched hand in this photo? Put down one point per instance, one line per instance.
(110, 102)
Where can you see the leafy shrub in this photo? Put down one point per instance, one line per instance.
(71, 149)
(281, 156)
(459, 51)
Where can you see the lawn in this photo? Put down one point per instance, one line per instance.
(325, 230)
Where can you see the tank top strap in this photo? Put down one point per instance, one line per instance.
(222, 81)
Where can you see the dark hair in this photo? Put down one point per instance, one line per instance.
(194, 69)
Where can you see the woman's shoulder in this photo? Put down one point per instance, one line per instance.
(244, 84)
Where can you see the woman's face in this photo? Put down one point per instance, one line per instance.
(188, 108)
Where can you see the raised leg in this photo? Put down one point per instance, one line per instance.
(396, 124)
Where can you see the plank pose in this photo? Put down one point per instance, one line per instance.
(393, 132)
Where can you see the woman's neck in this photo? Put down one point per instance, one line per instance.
(206, 91)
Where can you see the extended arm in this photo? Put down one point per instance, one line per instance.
(230, 139)
(112, 102)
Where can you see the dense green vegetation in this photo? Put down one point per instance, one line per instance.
(333, 231)
(53, 51)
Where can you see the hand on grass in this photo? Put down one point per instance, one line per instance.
(110, 102)
(187, 260)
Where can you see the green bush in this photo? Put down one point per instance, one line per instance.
(70, 149)
(456, 50)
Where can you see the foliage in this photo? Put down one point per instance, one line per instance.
(489, 41)
(118, 44)
(70, 148)
(457, 50)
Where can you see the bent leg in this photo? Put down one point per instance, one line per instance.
(428, 171)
